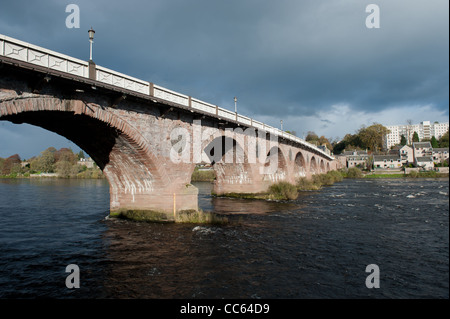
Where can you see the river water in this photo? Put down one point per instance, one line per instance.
(315, 247)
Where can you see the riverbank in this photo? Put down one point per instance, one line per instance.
(84, 175)
(413, 174)
(288, 191)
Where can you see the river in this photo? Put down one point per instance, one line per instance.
(315, 247)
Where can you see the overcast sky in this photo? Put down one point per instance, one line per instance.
(311, 63)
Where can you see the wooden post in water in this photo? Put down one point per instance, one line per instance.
(174, 207)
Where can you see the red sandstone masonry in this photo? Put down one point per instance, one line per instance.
(139, 170)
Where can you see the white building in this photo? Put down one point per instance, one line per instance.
(387, 162)
(425, 130)
(406, 153)
(425, 162)
(440, 154)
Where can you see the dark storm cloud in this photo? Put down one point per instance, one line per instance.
(280, 58)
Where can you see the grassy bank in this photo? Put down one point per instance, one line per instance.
(319, 180)
(86, 173)
(288, 191)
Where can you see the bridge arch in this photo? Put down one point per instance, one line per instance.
(275, 167)
(300, 165)
(230, 162)
(322, 166)
(313, 167)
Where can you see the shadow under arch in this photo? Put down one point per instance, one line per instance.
(300, 165)
(313, 165)
(229, 160)
(275, 167)
(322, 166)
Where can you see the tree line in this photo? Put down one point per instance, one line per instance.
(62, 162)
(369, 138)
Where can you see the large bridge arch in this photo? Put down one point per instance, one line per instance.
(138, 178)
(227, 152)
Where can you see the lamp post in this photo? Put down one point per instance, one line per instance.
(91, 40)
(281, 122)
(235, 104)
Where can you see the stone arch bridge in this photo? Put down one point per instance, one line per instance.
(147, 139)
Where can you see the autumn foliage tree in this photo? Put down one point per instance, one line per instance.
(11, 165)
(370, 138)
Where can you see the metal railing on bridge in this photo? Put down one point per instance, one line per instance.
(41, 57)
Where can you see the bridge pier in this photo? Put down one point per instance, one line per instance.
(161, 205)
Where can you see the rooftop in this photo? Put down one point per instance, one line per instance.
(421, 145)
(385, 157)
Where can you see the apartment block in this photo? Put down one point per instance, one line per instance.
(425, 130)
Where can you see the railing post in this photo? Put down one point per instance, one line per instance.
(92, 71)
(152, 89)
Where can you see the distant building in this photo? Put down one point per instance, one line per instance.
(425, 130)
(88, 162)
(356, 158)
(425, 162)
(440, 155)
(406, 153)
(422, 149)
(325, 149)
(387, 162)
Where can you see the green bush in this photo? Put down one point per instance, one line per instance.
(413, 174)
(283, 190)
(354, 172)
(336, 175)
(305, 184)
(428, 174)
(319, 180)
(203, 176)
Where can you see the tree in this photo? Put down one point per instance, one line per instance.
(409, 132)
(339, 147)
(63, 169)
(324, 141)
(44, 162)
(81, 153)
(312, 138)
(415, 137)
(2, 162)
(372, 137)
(443, 141)
(434, 142)
(10, 164)
(65, 155)
(403, 140)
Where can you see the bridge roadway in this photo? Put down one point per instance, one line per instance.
(147, 139)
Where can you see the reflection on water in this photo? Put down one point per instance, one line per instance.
(315, 247)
